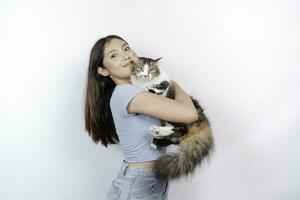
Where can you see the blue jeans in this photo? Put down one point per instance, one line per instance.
(133, 183)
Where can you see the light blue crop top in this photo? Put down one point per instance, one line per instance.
(133, 129)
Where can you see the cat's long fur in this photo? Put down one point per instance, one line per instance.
(195, 140)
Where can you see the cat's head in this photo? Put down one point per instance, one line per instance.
(146, 68)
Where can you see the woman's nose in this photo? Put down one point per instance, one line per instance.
(127, 57)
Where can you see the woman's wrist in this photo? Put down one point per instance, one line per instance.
(174, 84)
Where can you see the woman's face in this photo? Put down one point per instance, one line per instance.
(117, 60)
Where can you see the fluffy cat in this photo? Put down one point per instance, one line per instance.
(195, 140)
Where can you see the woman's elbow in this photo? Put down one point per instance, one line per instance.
(194, 116)
(190, 118)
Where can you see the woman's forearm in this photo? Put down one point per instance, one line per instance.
(182, 96)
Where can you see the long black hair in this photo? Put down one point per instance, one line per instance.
(98, 118)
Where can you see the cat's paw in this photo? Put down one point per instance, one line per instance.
(154, 131)
(154, 146)
(161, 131)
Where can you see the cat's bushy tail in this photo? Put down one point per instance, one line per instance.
(190, 154)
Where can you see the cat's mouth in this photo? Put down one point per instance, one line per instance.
(145, 77)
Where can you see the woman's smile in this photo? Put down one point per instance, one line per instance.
(128, 64)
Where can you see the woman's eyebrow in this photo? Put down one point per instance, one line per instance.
(116, 49)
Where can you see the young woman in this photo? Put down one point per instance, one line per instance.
(117, 111)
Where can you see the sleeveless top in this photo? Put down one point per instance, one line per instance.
(133, 129)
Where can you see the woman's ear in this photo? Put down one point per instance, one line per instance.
(102, 71)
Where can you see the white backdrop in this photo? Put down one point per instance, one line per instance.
(239, 58)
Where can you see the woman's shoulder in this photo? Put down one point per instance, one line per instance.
(122, 95)
(126, 89)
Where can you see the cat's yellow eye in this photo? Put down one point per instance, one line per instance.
(152, 67)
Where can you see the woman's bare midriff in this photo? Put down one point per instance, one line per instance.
(148, 164)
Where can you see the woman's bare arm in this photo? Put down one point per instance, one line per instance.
(182, 96)
(180, 109)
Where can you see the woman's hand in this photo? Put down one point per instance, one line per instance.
(173, 83)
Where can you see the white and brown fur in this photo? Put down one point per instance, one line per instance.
(195, 140)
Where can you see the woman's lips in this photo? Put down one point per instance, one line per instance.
(127, 64)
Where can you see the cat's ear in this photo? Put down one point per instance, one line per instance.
(140, 62)
(158, 59)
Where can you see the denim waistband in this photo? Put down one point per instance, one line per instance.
(133, 170)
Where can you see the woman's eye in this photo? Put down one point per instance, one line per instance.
(127, 48)
(112, 56)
